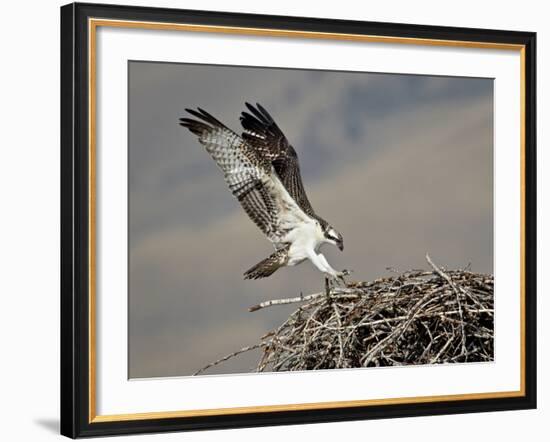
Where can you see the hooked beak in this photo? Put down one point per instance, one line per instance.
(340, 245)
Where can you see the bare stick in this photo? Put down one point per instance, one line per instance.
(283, 301)
(336, 292)
(229, 356)
(340, 342)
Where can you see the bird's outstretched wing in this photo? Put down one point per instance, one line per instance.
(248, 174)
(261, 131)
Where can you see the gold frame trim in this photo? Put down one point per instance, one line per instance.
(93, 24)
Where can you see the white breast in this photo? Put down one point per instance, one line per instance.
(303, 233)
(304, 241)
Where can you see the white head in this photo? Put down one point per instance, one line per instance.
(334, 237)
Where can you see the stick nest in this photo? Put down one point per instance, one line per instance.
(416, 317)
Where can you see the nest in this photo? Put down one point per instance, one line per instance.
(415, 317)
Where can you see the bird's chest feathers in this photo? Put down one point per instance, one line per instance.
(305, 238)
(302, 232)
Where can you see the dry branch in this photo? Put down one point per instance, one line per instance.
(415, 317)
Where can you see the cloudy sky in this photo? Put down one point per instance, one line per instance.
(401, 165)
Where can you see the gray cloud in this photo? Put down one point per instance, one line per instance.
(401, 165)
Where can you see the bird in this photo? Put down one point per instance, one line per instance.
(262, 171)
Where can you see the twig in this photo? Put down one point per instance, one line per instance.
(229, 356)
(340, 342)
(283, 301)
(336, 292)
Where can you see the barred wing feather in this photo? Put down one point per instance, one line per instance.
(262, 132)
(248, 174)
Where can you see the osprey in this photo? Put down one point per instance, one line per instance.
(262, 171)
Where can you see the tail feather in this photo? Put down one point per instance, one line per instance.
(269, 265)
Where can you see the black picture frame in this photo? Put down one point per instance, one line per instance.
(75, 220)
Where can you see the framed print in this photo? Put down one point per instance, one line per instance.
(279, 220)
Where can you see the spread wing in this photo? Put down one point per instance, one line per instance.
(261, 131)
(248, 174)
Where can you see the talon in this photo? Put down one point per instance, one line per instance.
(341, 275)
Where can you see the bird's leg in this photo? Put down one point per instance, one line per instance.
(333, 274)
(322, 265)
